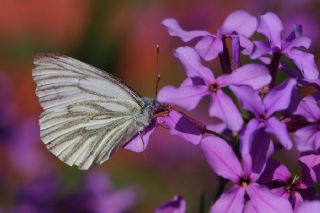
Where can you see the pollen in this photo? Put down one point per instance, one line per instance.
(293, 184)
(244, 181)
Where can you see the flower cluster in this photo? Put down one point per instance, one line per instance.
(256, 97)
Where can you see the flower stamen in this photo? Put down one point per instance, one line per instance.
(245, 181)
(213, 88)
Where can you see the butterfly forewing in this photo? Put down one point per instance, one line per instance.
(88, 114)
(69, 80)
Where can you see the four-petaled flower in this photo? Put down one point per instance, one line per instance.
(244, 177)
(293, 46)
(277, 99)
(201, 82)
(294, 188)
(239, 25)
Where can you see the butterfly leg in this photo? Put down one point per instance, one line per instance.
(143, 144)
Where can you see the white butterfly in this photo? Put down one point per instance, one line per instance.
(88, 113)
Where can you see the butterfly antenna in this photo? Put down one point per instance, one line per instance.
(157, 69)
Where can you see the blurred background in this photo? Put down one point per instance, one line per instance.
(119, 37)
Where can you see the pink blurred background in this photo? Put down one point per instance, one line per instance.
(119, 37)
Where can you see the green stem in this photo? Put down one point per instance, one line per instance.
(202, 203)
(224, 137)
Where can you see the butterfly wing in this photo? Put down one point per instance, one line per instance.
(88, 114)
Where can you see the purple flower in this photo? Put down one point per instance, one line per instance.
(37, 195)
(277, 99)
(201, 82)
(140, 142)
(293, 46)
(239, 25)
(294, 188)
(176, 205)
(7, 111)
(244, 177)
(102, 196)
(98, 195)
(23, 152)
(176, 122)
(308, 137)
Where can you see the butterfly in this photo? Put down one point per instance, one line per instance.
(88, 114)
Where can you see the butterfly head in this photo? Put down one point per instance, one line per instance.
(152, 106)
(155, 109)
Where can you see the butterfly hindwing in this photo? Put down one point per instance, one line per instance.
(88, 114)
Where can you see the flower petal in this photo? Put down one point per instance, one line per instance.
(307, 138)
(180, 125)
(296, 32)
(216, 125)
(274, 171)
(192, 64)
(223, 107)
(136, 144)
(246, 44)
(302, 41)
(270, 25)
(221, 158)
(122, 200)
(265, 201)
(241, 22)
(279, 129)
(246, 136)
(176, 205)
(260, 151)
(231, 201)
(254, 75)
(279, 97)
(308, 206)
(306, 63)
(250, 208)
(194, 81)
(261, 48)
(249, 99)
(209, 47)
(309, 109)
(297, 199)
(174, 29)
(281, 192)
(310, 165)
(187, 97)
